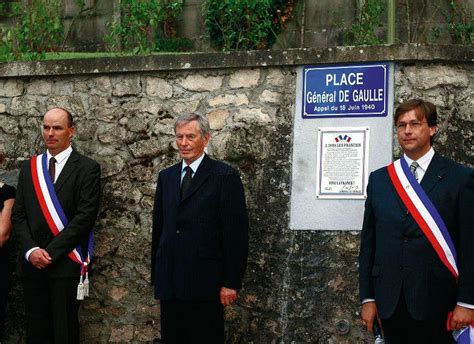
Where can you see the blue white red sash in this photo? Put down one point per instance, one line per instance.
(55, 216)
(424, 213)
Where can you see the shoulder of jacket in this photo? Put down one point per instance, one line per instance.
(222, 168)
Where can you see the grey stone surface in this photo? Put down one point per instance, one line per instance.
(300, 286)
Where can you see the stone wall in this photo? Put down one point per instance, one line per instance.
(300, 286)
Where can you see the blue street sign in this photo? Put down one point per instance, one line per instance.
(345, 91)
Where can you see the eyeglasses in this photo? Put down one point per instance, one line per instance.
(413, 124)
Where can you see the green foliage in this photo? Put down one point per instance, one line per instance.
(173, 44)
(38, 29)
(363, 32)
(460, 22)
(244, 24)
(136, 30)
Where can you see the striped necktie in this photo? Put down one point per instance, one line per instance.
(414, 165)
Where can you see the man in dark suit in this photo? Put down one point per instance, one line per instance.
(200, 239)
(403, 283)
(50, 277)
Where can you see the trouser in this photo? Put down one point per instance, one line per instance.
(186, 322)
(5, 281)
(401, 328)
(51, 309)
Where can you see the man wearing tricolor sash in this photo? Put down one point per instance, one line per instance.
(416, 262)
(57, 205)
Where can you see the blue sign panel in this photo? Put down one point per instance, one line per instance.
(345, 91)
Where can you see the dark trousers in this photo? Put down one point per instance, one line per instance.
(5, 281)
(51, 310)
(401, 328)
(184, 322)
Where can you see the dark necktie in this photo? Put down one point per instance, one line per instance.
(52, 168)
(186, 183)
(414, 165)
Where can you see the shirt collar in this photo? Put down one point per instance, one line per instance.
(194, 165)
(424, 161)
(60, 157)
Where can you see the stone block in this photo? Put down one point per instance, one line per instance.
(244, 78)
(150, 148)
(39, 87)
(251, 116)
(111, 165)
(428, 77)
(122, 334)
(158, 87)
(100, 85)
(229, 99)
(9, 124)
(164, 126)
(11, 88)
(127, 86)
(63, 88)
(26, 105)
(275, 77)
(118, 293)
(146, 334)
(217, 118)
(3, 108)
(270, 97)
(200, 83)
(187, 106)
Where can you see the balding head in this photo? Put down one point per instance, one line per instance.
(58, 130)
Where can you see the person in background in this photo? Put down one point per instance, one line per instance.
(7, 199)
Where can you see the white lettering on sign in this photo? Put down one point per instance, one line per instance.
(344, 79)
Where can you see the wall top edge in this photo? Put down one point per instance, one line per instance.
(247, 59)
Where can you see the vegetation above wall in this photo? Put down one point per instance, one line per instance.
(37, 29)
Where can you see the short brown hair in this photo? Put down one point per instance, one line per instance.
(422, 107)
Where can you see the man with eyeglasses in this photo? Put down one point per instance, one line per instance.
(416, 262)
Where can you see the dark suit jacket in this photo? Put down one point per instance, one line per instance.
(199, 243)
(78, 191)
(395, 255)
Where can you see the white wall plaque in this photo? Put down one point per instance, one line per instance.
(342, 159)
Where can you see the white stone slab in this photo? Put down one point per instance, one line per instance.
(309, 213)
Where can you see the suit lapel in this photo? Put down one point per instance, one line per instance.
(69, 168)
(435, 172)
(176, 182)
(199, 177)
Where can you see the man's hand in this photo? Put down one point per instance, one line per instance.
(228, 296)
(40, 258)
(369, 314)
(462, 316)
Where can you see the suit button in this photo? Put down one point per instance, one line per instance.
(178, 231)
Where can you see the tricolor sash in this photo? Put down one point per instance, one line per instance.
(424, 213)
(56, 218)
(430, 222)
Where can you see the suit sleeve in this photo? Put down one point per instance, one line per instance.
(87, 208)
(157, 225)
(465, 215)
(234, 219)
(20, 221)
(367, 248)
